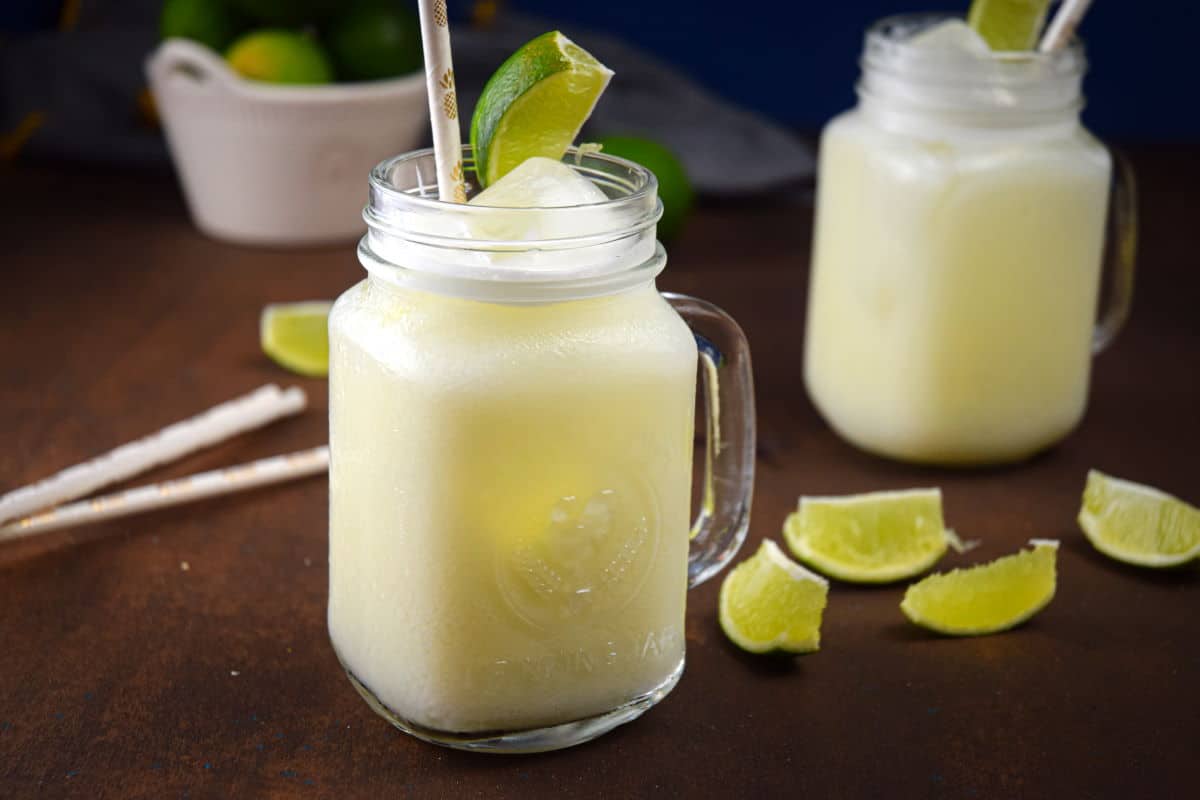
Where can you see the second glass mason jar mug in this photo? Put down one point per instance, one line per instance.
(511, 428)
(959, 235)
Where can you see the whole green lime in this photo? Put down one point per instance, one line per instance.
(674, 188)
(375, 40)
(209, 22)
(287, 12)
(279, 57)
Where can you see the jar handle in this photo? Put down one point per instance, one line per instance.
(728, 386)
(1121, 256)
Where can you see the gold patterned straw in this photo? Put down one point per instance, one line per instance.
(175, 441)
(443, 102)
(275, 469)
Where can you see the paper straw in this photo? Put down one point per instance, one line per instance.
(443, 102)
(1062, 27)
(171, 493)
(215, 425)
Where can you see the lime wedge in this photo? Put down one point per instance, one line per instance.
(1008, 25)
(770, 603)
(870, 538)
(296, 336)
(1138, 524)
(535, 104)
(986, 598)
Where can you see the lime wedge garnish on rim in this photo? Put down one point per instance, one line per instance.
(1008, 25)
(1138, 524)
(987, 598)
(870, 538)
(534, 104)
(296, 336)
(770, 603)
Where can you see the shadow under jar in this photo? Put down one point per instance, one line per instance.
(959, 237)
(511, 429)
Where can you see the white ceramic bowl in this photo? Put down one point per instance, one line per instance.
(278, 165)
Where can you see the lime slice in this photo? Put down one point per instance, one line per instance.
(870, 538)
(769, 603)
(1008, 25)
(1138, 524)
(535, 104)
(987, 598)
(296, 336)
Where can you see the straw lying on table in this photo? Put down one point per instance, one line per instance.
(215, 425)
(266, 404)
(443, 102)
(184, 490)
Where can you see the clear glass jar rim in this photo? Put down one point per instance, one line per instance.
(417, 240)
(642, 188)
(887, 45)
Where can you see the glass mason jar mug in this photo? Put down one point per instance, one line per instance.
(959, 235)
(511, 429)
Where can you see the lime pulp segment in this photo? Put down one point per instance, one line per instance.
(870, 538)
(986, 598)
(770, 603)
(1008, 25)
(1138, 524)
(296, 336)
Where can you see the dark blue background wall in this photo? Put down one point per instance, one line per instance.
(797, 61)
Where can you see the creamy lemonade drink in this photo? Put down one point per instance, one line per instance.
(510, 502)
(959, 234)
(511, 428)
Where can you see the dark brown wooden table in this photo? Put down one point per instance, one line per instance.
(183, 653)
